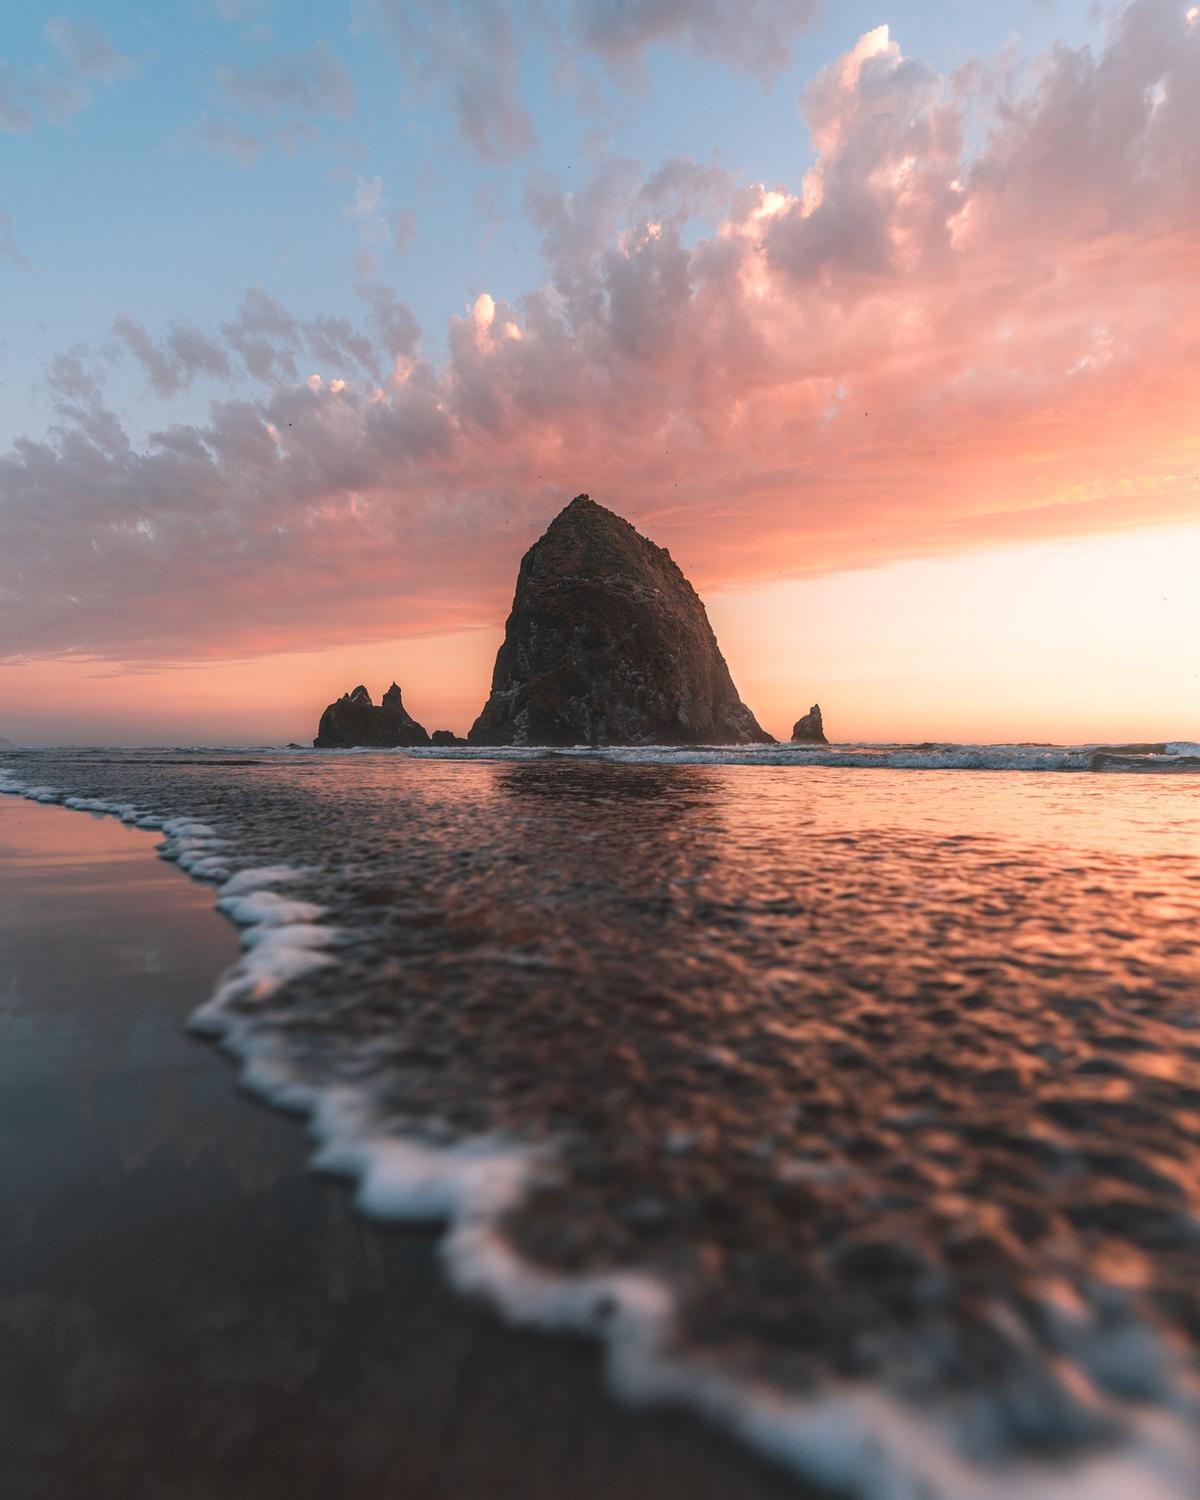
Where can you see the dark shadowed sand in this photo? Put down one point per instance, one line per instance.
(185, 1312)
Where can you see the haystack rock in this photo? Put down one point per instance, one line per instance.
(809, 730)
(355, 721)
(609, 644)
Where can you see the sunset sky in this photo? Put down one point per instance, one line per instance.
(884, 319)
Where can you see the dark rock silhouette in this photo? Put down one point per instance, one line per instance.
(355, 721)
(609, 644)
(809, 730)
(446, 737)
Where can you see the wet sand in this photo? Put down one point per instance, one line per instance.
(185, 1311)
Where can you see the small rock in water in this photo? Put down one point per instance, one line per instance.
(354, 721)
(809, 730)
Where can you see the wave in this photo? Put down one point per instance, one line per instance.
(1157, 758)
(855, 1435)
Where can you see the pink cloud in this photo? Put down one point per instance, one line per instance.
(973, 320)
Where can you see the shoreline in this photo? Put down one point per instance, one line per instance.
(195, 1281)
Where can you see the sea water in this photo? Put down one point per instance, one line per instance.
(857, 1109)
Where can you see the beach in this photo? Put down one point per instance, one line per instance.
(843, 1112)
(185, 1310)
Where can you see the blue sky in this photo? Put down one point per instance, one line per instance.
(122, 208)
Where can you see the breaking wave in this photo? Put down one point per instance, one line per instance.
(1159, 758)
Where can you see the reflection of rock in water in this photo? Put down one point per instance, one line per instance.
(609, 644)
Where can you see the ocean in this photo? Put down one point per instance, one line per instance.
(849, 1097)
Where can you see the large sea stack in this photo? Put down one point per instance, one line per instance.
(355, 721)
(609, 644)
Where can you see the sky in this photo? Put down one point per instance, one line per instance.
(884, 318)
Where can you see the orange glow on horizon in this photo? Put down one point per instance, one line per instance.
(1082, 640)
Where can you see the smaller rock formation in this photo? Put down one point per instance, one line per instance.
(446, 737)
(354, 721)
(809, 730)
(6, 744)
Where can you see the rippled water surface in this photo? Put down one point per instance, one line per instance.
(893, 1079)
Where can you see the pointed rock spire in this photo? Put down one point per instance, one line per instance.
(809, 730)
(608, 644)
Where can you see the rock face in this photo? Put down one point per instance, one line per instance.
(809, 730)
(609, 644)
(446, 737)
(355, 721)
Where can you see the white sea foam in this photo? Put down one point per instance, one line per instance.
(268, 907)
(260, 879)
(855, 1436)
(284, 941)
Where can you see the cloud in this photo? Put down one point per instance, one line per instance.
(287, 93)
(43, 94)
(470, 52)
(368, 212)
(71, 380)
(392, 321)
(173, 365)
(15, 115)
(266, 336)
(9, 249)
(238, 10)
(266, 341)
(39, 95)
(88, 51)
(404, 225)
(311, 83)
(973, 319)
(339, 346)
(752, 34)
(227, 138)
(472, 47)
